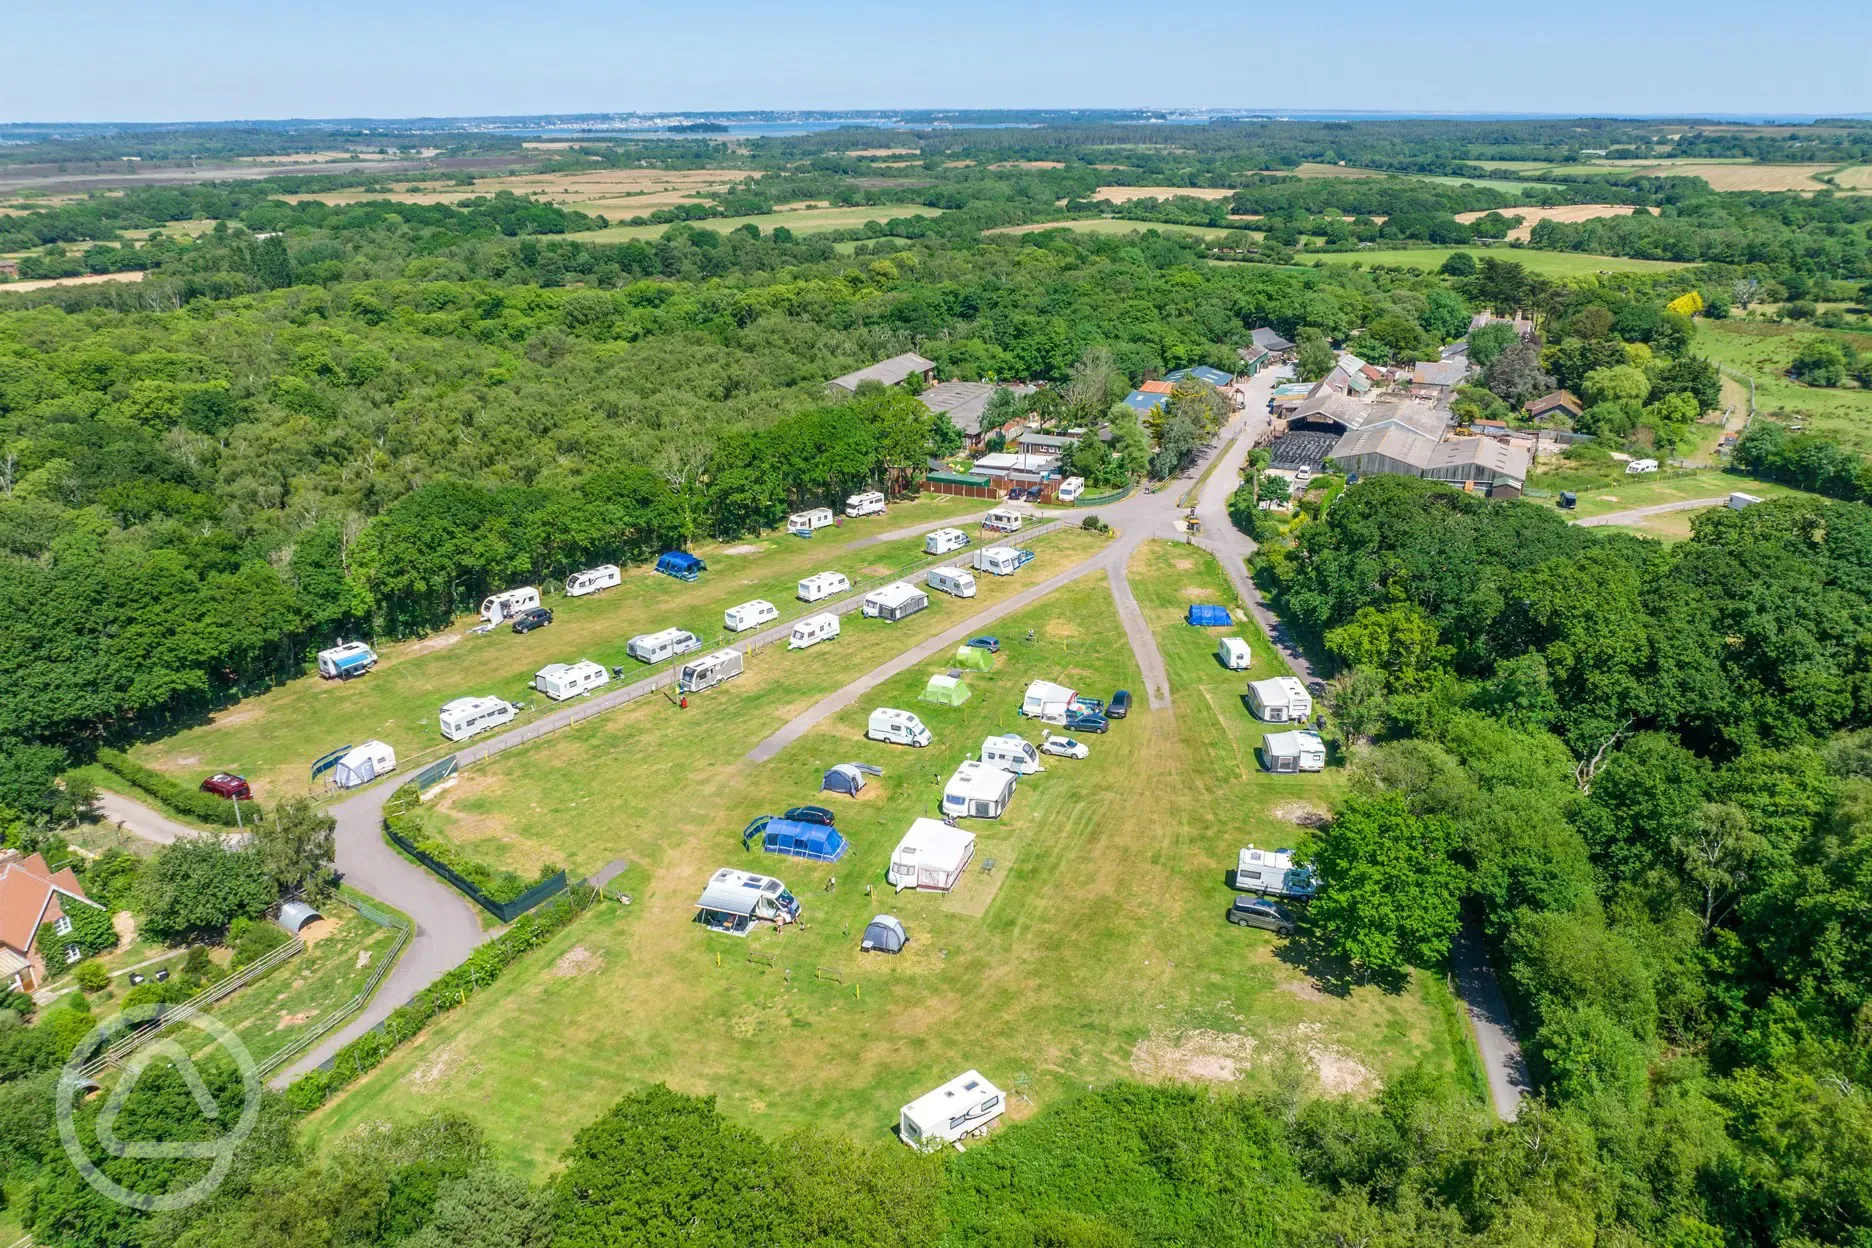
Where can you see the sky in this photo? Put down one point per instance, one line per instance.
(210, 60)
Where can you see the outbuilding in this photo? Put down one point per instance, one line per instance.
(363, 764)
(931, 857)
(1298, 750)
(1280, 700)
(709, 670)
(560, 681)
(894, 601)
(294, 915)
(978, 790)
(966, 1105)
(884, 934)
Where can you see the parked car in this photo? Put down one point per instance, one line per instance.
(227, 784)
(532, 618)
(1120, 704)
(1317, 688)
(810, 814)
(1257, 912)
(1063, 747)
(1085, 721)
(991, 644)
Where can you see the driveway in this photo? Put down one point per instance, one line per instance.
(1633, 514)
(1493, 1027)
(141, 821)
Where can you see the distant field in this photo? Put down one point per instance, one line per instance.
(806, 221)
(1568, 213)
(1764, 350)
(1118, 225)
(1602, 492)
(1738, 177)
(607, 192)
(1855, 177)
(1504, 185)
(1312, 170)
(1028, 164)
(1125, 194)
(88, 279)
(1550, 263)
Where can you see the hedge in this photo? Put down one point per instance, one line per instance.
(483, 967)
(498, 885)
(182, 800)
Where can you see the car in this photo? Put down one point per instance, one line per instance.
(1255, 912)
(991, 644)
(532, 618)
(227, 784)
(1120, 705)
(1063, 747)
(1085, 721)
(810, 814)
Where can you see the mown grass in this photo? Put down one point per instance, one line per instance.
(1097, 940)
(1601, 492)
(1764, 350)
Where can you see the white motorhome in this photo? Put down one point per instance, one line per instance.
(1273, 873)
(964, 1106)
(1071, 488)
(498, 607)
(560, 681)
(1047, 701)
(894, 601)
(807, 523)
(954, 581)
(1002, 560)
(978, 790)
(345, 660)
(822, 585)
(897, 728)
(709, 670)
(1294, 751)
(931, 857)
(942, 541)
(870, 503)
(1233, 652)
(750, 615)
(591, 580)
(1004, 519)
(1280, 700)
(814, 629)
(464, 717)
(734, 901)
(1738, 500)
(655, 647)
(1011, 753)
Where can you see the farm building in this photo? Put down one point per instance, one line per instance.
(1325, 411)
(978, 790)
(734, 901)
(1387, 447)
(965, 403)
(931, 856)
(1302, 450)
(363, 764)
(1558, 403)
(1253, 359)
(1144, 401)
(1436, 380)
(889, 372)
(1269, 340)
(294, 915)
(962, 1107)
(1480, 461)
(1280, 700)
(884, 934)
(1294, 751)
(1200, 372)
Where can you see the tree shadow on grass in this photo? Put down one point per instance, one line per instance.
(1307, 952)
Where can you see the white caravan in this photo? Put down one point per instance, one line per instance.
(931, 857)
(807, 523)
(978, 790)
(942, 541)
(591, 580)
(1005, 519)
(812, 630)
(498, 607)
(1638, 466)
(709, 670)
(964, 1106)
(1233, 652)
(1273, 873)
(897, 728)
(464, 717)
(560, 681)
(870, 503)
(894, 601)
(1071, 488)
(1011, 753)
(955, 581)
(655, 647)
(822, 585)
(1280, 700)
(1001, 560)
(345, 660)
(1047, 701)
(749, 615)
(1294, 751)
(734, 901)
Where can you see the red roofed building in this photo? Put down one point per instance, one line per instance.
(1157, 387)
(32, 895)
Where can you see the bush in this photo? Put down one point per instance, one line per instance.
(254, 941)
(1092, 524)
(183, 801)
(91, 976)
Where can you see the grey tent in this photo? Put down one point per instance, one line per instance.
(884, 934)
(294, 915)
(848, 778)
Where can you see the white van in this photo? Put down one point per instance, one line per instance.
(655, 647)
(1011, 753)
(750, 615)
(709, 670)
(1071, 488)
(464, 717)
(807, 523)
(1274, 873)
(868, 504)
(1233, 652)
(1005, 519)
(498, 607)
(591, 580)
(822, 585)
(1002, 560)
(560, 681)
(942, 541)
(897, 728)
(812, 630)
(952, 581)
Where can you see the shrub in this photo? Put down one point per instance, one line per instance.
(1092, 524)
(500, 886)
(254, 941)
(178, 798)
(91, 976)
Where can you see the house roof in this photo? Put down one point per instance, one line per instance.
(1139, 401)
(1504, 460)
(29, 892)
(1555, 401)
(1440, 372)
(1392, 440)
(1201, 372)
(1415, 414)
(1265, 337)
(1521, 326)
(1157, 387)
(1252, 354)
(888, 372)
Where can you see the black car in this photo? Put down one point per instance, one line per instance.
(810, 814)
(1120, 705)
(1085, 721)
(532, 618)
(1258, 912)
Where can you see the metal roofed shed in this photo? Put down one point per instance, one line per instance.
(964, 1106)
(734, 901)
(294, 915)
(1294, 751)
(1269, 340)
(945, 690)
(363, 764)
(887, 372)
(816, 841)
(1208, 615)
(1200, 372)
(1142, 401)
(884, 934)
(931, 857)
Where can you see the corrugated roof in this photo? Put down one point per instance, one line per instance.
(1440, 372)
(1156, 387)
(1502, 459)
(887, 372)
(1265, 337)
(1391, 440)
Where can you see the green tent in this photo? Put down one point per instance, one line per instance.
(974, 658)
(946, 690)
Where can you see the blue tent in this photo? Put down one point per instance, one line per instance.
(801, 840)
(1209, 615)
(680, 564)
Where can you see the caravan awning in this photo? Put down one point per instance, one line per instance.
(730, 897)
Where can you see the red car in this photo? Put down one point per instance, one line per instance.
(227, 784)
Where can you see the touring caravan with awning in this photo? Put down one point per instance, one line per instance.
(868, 504)
(345, 660)
(560, 681)
(942, 541)
(894, 601)
(966, 1105)
(749, 615)
(464, 717)
(1002, 519)
(655, 647)
(363, 764)
(954, 581)
(806, 523)
(932, 856)
(591, 580)
(709, 670)
(897, 727)
(1280, 700)
(978, 790)
(1294, 751)
(498, 607)
(1002, 560)
(822, 585)
(1047, 701)
(735, 901)
(812, 630)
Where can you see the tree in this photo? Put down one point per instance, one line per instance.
(1400, 640)
(1819, 362)
(1391, 891)
(1273, 487)
(1613, 385)
(197, 885)
(487, 1209)
(1130, 447)
(1357, 702)
(296, 845)
(1459, 264)
(1489, 341)
(1502, 285)
(1516, 376)
(1314, 357)
(1094, 383)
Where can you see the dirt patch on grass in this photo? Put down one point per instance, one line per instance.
(1061, 628)
(238, 717)
(746, 548)
(1304, 813)
(1339, 1073)
(317, 930)
(1196, 593)
(293, 1020)
(1305, 989)
(1183, 565)
(439, 1071)
(363, 958)
(441, 641)
(124, 924)
(1193, 1056)
(874, 569)
(578, 960)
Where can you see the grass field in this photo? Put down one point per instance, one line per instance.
(1737, 177)
(1567, 213)
(1094, 951)
(273, 737)
(1115, 226)
(1603, 492)
(1547, 263)
(805, 221)
(1764, 350)
(608, 192)
(1125, 194)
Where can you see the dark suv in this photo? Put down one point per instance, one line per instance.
(1120, 705)
(227, 784)
(532, 618)
(1258, 912)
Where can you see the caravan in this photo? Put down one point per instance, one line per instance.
(1047, 701)
(464, 717)
(1273, 873)
(897, 728)
(560, 681)
(894, 601)
(1002, 560)
(931, 857)
(363, 764)
(942, 541)
(1280, 700)
(1232, 653)
(655, 647)
(870, 504)
(823, 585)
(498, 607)
(735, 901)
(806, 523)
(1003, 519)
(345, 660)
(812, 630)
(709, 670)
(749, 615)
(1071, 488)
(591, 580)
(952, 580)
(978, 790)
(1011, 753)
(966, 1105)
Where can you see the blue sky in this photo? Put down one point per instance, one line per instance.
(212, 59)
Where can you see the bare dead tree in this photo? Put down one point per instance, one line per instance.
(1587, 768)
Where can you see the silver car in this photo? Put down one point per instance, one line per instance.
(1258, 912)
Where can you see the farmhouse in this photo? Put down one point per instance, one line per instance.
(1522, 326)
(1559, 403)
(31, 896)
(887, 372)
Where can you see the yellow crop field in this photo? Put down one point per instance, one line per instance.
(611, 192)
(810, 221)
(1568, 213)
(1125, 194)
(1725, 177)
